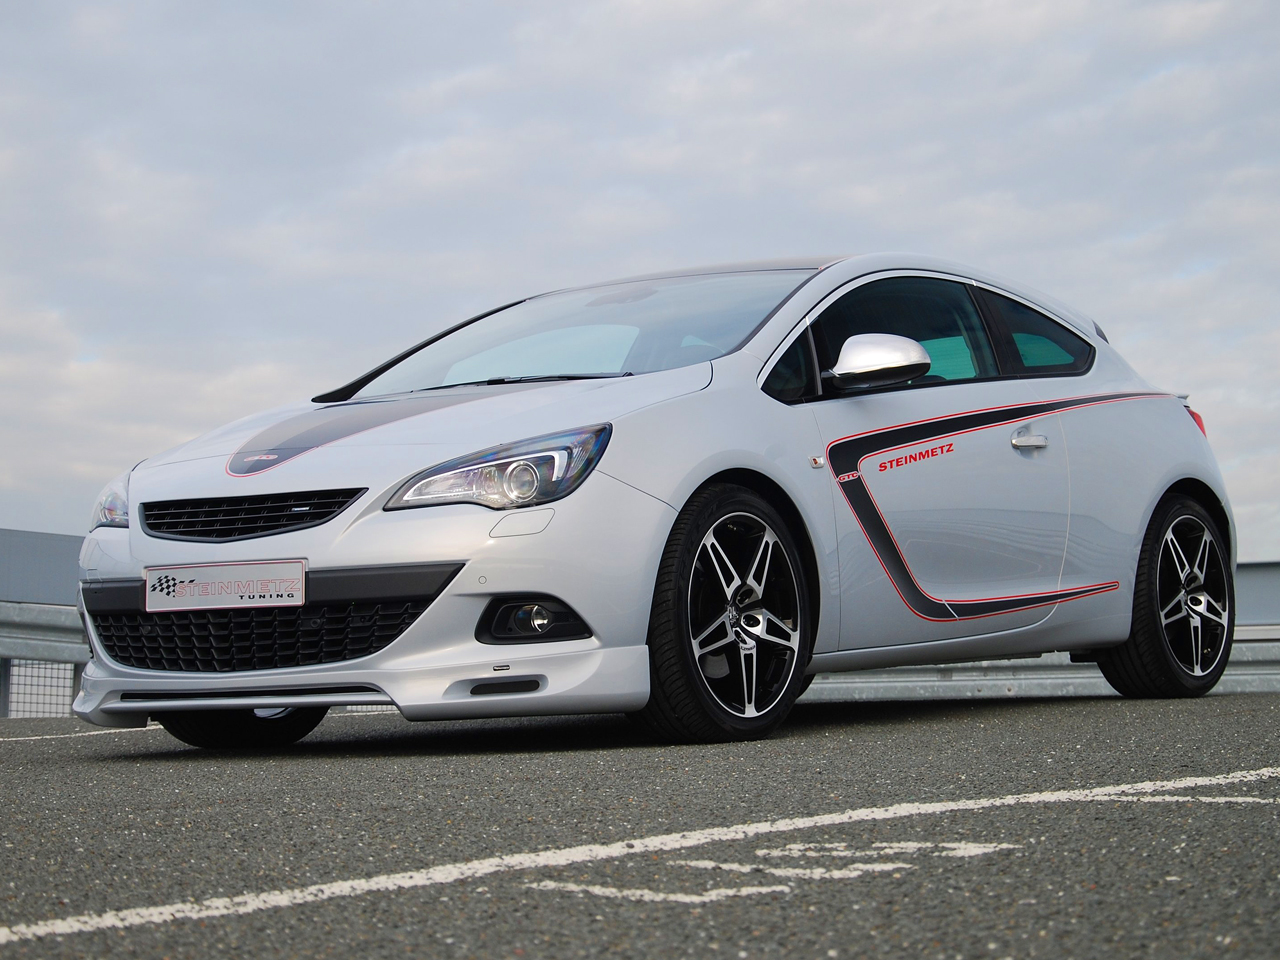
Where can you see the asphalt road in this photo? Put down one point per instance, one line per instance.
(1070, 828)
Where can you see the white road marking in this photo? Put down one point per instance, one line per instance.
(851, 872)
(87, 733)
(1175, 798)
(900, 846)
(973, 849)
(655, 896)
(147, 729)
(452, 872)
(889, 849)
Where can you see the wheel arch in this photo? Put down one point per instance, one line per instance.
(780, 500)
(1203, 494)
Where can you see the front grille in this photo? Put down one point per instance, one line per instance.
(239, 518)
(261, 638)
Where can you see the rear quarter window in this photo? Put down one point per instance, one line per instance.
(1036, 345)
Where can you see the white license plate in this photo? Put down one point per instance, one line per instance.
(270, 583)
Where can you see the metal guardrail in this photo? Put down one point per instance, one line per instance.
(36, 638)
(42, 652)
(42, 631)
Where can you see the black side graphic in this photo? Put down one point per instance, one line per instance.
(845, 459)
(291, 438)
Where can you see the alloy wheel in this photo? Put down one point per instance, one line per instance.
(1192, 592)
(744, 615)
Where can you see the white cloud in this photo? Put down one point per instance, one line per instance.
(85, 414)
(337, 183)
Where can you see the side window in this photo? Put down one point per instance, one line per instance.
(1042, 347)
(938, 314)
(793, 376)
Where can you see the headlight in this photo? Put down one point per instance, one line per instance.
(112, 508)
(514, 475)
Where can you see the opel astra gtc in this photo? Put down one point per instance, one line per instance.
(678, 496)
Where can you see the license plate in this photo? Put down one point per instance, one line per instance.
(269, 583)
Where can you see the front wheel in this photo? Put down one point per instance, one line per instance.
(730, 629)
(1183, 608)
(264, 729)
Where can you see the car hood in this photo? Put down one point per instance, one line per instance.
(306, 444)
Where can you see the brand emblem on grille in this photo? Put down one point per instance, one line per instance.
(168, 585)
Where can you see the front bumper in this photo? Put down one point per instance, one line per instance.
(598, 553)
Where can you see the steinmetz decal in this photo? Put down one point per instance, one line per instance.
(271, 583)
(902, 461)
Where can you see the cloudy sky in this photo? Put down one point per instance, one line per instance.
(206, 209)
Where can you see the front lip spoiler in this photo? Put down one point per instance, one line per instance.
(160, 702)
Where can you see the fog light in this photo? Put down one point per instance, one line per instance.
(532, 618)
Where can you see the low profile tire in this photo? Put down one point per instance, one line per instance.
(1183, 608)
(242, 729)
(730, 628)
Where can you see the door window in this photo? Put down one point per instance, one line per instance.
(1037, 345)
(938, 314)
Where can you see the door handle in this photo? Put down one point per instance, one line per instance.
(1029, 442)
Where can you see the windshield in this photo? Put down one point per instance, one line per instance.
(612, 330)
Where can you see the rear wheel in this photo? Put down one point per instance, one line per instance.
(729, 632)
(263, 729)
(1183, 608)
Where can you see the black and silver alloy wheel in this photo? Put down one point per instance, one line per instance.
(1180, 638)
(730, 630)
(743, 615)
(1191, 589)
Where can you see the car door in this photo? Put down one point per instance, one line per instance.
(1105, 422)
(954, 486)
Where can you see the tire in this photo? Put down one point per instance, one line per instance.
(242, 729)
(731, 582)
(1183, 608)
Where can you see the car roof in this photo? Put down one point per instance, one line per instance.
(871, 263)
(743, 266)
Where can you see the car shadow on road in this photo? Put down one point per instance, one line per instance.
(388, 735)
(863, 713)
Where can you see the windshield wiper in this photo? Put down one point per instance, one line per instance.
(493, 381)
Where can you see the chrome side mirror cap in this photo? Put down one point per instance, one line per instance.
(879, 360)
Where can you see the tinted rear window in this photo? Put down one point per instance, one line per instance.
(1039, 345)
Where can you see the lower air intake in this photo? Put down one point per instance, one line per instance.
(351, 612)
(220, 641)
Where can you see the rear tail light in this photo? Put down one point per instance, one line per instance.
(1198, 419)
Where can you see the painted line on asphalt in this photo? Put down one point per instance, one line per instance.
(655, 896)
(851, 872)
(87, 733)
(962, 849)
(149, 727)
(566, 856)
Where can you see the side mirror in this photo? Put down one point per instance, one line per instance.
(878, 360)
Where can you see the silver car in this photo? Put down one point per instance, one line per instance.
(678, 496)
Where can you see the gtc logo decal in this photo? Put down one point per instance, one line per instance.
(918, 455)
(169, 586)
